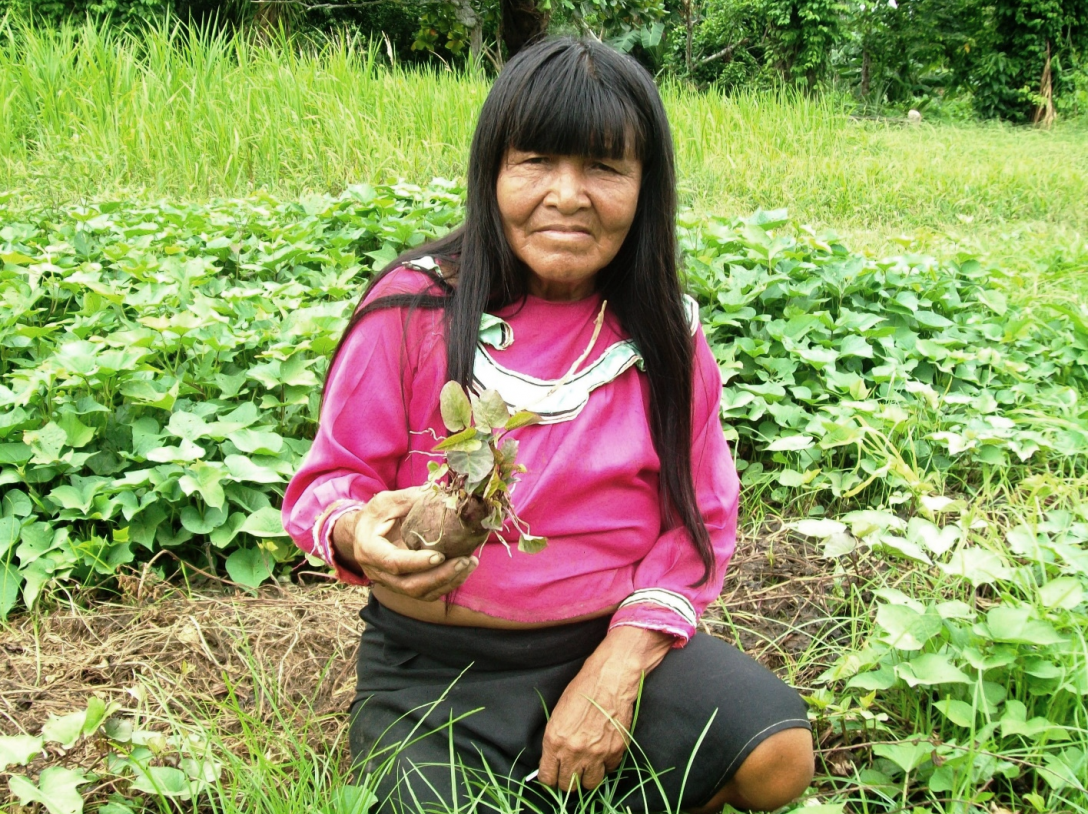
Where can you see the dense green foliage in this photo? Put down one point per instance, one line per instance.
(983, 658)
(909, 52)
(1027, 38)
(905, 371)
(160, 370)
(743, 41)
(56, 13)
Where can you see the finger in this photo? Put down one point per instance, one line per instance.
(380, 527)
(428, 585)
(444, 579)
(395, 503)
(568, 779)
(417, 581)
(441, 590)
(398, 561)
(613, 763)
(593, 776)
(548, 770)
(393, 533)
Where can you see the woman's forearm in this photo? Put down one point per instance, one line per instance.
(628, 653)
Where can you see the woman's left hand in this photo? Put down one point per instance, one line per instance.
(589, 728)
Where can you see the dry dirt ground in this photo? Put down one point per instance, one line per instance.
(201, 650)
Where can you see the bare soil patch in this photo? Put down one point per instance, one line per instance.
(779, 599)
(191, 648)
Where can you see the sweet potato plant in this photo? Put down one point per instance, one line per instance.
(468, 495)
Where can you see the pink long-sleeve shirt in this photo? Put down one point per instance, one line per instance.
(592, 481)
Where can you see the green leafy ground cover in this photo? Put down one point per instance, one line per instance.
(161, 370)
(159, 376)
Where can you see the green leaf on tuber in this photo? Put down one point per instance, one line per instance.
(468, 497)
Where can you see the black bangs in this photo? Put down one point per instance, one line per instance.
(573, 104)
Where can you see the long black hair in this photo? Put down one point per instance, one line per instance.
(578, 97)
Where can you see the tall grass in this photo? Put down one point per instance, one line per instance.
(92, 111)
(217, 114)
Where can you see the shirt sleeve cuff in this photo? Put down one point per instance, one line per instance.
(658, 609)
(323, 546)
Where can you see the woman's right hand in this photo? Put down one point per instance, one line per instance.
(369, 540)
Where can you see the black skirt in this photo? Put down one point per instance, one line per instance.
(452, 718)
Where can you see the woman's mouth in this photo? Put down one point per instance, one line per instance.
(564, 232)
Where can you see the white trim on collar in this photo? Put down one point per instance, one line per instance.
(553, 404)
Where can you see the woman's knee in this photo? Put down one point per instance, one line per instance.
(776, 772)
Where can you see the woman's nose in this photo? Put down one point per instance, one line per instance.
(567, 191)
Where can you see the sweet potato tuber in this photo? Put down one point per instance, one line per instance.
(432, 525)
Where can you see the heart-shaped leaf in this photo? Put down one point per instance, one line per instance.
(10, 580)
(57, 790)
(908, 755)
(266, 522)
(905, 628)
(529, 544)
(455, 407)
(490, 411)
(18, 750)
(522, 418)
(163, 781)
(250, 566)
(929, 669)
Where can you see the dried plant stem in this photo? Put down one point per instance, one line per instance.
(597, 325)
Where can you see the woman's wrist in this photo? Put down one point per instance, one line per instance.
(628, 653)
(343, 541)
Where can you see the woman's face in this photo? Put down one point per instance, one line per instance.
(565, 217)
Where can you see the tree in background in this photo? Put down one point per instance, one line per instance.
(736, 40)
(801, 36)
(498, 29)
(1013, 57)
(55, 12)
(903, 52)
(1016, 59)
(521, 22)
(1027, 56)
(728, 45)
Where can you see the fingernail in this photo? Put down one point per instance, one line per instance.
(437, 559)
(462, 564)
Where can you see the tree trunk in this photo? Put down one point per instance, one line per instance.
(267, 17)
(1044, 113)
(688, 26)
(467, 16)
(522, 22)
(866, 71)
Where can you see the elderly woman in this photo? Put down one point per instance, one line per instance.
(542, 675)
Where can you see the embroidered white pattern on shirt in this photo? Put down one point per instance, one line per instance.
(553, 404)
(677, 603)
